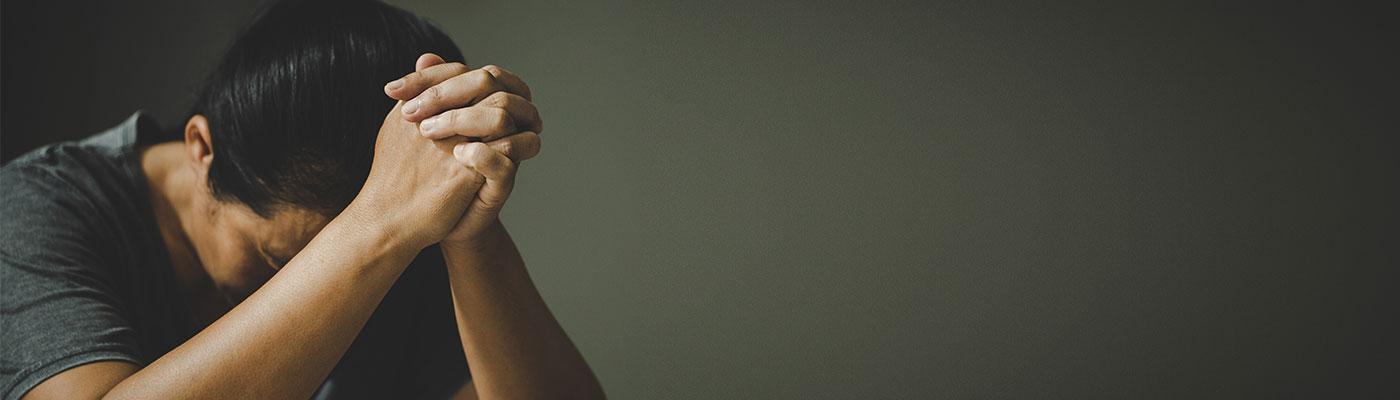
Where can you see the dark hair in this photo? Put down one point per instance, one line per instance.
(296, 103)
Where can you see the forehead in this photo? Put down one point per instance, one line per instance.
(286, 230)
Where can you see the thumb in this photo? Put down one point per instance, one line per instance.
(427, 60)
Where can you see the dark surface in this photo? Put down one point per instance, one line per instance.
(882, 200)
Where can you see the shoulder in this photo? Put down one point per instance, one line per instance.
(71, 185)
(63, 165)
(59, 203)
(50, 187)
(67, 206)
(58, 187)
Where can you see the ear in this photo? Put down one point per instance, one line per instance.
(197, 144)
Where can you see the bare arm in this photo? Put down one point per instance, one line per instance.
(284, 340)
(514, 345)
(279, 343)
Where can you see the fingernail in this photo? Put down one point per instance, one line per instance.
(395, 85)
(460, 151)
(473, 151)
(411, 107)
(427, 125)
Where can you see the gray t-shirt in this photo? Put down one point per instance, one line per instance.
(85, 277)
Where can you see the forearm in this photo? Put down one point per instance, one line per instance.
(283, 340)
(515, 347)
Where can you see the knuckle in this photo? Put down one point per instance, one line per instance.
(534, 148)
(472, 177)
(479, 77)
(491, 203)
(500, 166)
(475, 180)
(429, 97)
(448, 120)
(507, 147)
(414, 78)
(498, 99)
(501, 121)
(488, 165)
(484, 80)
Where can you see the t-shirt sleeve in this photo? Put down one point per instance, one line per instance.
(58, 308)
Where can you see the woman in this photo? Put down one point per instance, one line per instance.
(291, 240)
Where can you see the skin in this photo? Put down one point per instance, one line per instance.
(283, 297)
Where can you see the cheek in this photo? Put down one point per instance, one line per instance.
(251, 266)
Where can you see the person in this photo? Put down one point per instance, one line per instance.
(309, 232)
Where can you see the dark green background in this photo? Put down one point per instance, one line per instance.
(896, 200)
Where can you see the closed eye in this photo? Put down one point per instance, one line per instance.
(275, 262)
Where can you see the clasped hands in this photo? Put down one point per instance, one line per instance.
(446, 156)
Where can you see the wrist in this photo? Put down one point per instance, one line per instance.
(370, 229)
(491, 237)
